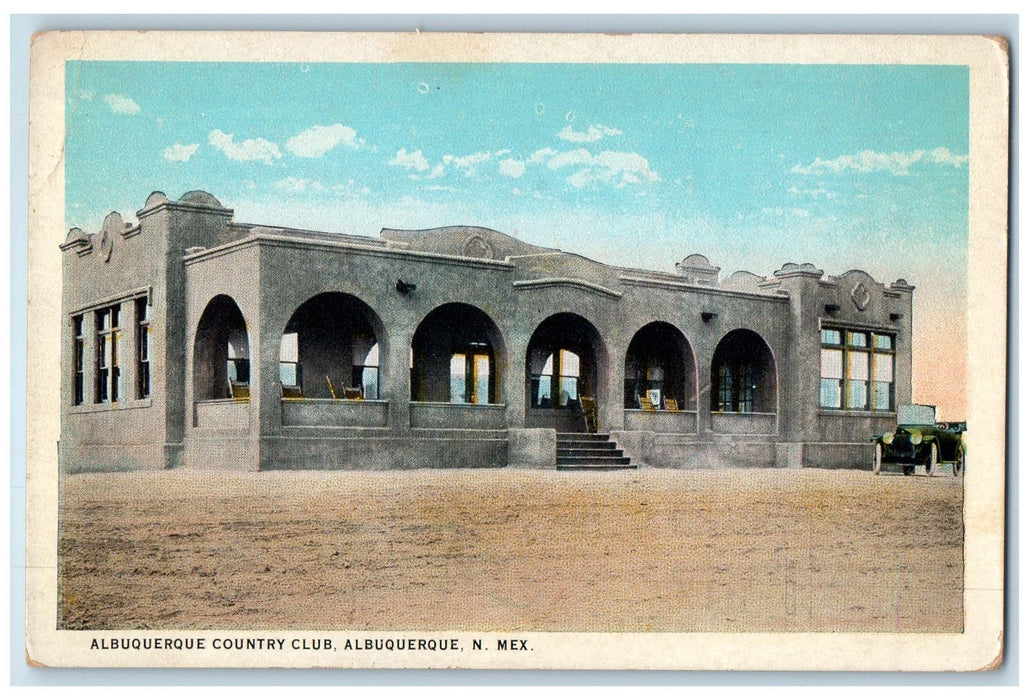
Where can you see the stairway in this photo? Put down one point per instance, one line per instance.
(589, 451)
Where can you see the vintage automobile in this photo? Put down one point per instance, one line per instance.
(919, 439)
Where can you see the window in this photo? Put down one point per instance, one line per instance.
(857, 370)
(79, 360)
(142, 348)
(365, 372)
(557, 386)
(238, 368)
(108, 374)
(470, 377)
(737, 387)
(289, 360)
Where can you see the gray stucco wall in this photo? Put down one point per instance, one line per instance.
(185, 254)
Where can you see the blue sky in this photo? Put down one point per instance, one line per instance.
(639, 165)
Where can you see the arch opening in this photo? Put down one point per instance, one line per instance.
(330, 349)
(456, 353)
(221, 353)
(743, 374)
(660, 369)
(564, 363)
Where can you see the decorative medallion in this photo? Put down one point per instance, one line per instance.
(477, 247)
(106, 245)
(861, 296)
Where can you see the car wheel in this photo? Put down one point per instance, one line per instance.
(934, 459)
(959, 463)
(877, 458)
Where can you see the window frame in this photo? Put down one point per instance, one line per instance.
(143, 349)
(78, 359)
(108, 333)
(852, 342)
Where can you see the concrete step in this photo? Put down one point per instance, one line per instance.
(612, 459)
(589, 452)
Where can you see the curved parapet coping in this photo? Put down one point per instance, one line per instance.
(858, 275)
(114, 223)
(202, 198)
(794, 270)
(157, 197)
(696, 261)
(79, 241)
(744, 281)
(550, 282)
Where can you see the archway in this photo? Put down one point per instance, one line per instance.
(743, 374)
(456, 355)
(659, 368)
(221, 353)
(330, 349)
(565, 361)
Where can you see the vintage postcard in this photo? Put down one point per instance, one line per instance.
(517, 351)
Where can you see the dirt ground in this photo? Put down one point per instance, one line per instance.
(648, 550)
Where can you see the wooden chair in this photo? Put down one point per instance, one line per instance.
(671, 405)
(332, 389)
(646, 404)
(239, 391)
(589, 413)
(291, 392)
(353, 393)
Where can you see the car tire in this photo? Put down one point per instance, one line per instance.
(877, 458)
(959, 462)
(934, 459)
(908, 469)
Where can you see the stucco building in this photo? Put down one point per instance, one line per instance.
(190, 339)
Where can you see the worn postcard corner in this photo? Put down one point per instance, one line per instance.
(517, 351)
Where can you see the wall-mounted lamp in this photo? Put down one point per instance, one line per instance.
(832, 308)
(708, 315)
(896, 317)
(405, 287)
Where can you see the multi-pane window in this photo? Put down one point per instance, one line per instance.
(557, 384)
(108, 337)
(142, 348)
(857, 370)
(365, 371)
(238, 351)
(737, 387)
(289, 360)
(79, 360)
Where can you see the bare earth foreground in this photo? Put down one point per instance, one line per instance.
(650, 550)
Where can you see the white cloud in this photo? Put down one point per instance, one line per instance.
(410, 161)
(897, 162)
(619, 168)
(251, 149)
(179, 152)
(120, 104)
(818, 193)
(579, 156)
(511, 167)
(468, 163)
(296, 185)
(592, 133)
(437, 171)
(319, 140)
(541, 155)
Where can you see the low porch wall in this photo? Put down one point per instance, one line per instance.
(223, 414)
(678, 451)
(333, 413)
(378, 449)
(661, 421)
(743, 423)
(466, 416)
